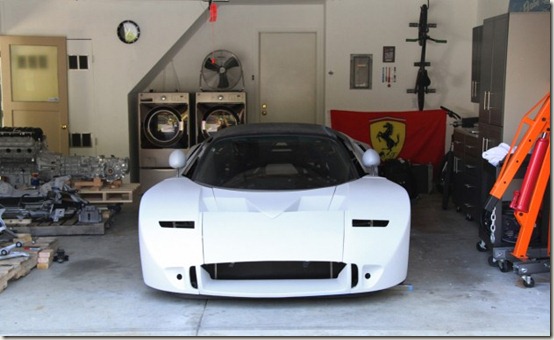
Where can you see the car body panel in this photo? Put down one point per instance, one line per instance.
(359, 229)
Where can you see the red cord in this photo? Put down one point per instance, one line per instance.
(213, 12)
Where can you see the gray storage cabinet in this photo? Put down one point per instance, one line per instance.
(514, 76)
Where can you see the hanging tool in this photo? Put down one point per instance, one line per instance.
(423, 81)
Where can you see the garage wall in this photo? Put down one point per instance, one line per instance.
(487, 9)
(237, 29)
(348, 27)
(366, 26)
(116, 67)
(344, 27)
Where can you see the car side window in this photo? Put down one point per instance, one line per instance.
(354, 158)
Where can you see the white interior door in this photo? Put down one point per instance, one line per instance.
(288, 64)
(81, 97)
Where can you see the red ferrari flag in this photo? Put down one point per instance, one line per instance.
(417, 136)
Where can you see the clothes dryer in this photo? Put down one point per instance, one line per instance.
(218, 110)
(164, 125)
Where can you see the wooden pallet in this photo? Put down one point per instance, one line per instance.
(62, 228)
(109, 195)
(95, 184)
(17, 267)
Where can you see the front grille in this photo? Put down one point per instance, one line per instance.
(274, 270)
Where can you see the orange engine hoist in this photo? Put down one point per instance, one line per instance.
(528, 200)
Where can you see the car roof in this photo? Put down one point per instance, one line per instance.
(274, 128)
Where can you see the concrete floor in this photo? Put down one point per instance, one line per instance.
(99, 292)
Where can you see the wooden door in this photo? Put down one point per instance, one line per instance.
(34, 86)
(288, 65)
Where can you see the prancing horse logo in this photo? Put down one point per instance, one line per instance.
(387, 136)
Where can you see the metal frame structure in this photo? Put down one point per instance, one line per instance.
(528, 200)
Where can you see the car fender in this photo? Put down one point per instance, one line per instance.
(379, 251)
(167, 250)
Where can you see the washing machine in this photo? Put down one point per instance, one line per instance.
(218, 110)
(164, 125)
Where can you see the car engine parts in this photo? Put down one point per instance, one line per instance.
(25, 161)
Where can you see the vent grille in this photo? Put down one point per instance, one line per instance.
(177, 224)
(355, 274)
(192, 276)
(370, 223)
(274, 270)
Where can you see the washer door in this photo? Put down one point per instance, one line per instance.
(163, 126)
(218, 118)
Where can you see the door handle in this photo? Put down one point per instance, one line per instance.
(64, 126)
(264, 109)
(483, 144)
(485, 101)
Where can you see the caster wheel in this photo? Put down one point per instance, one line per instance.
(528, 281)
(469, 217)
(458, 209)
(19, 244)
(505, 266)
(3, 253)
(492, 261)
(481, 246)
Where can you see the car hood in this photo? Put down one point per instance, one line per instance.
(272, 226)
(304, 225)
(271, 204)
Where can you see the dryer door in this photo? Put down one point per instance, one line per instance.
(163, 126)
(218, 118)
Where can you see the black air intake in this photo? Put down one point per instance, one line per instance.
(177, 224)
(370, 223)
(274, 270)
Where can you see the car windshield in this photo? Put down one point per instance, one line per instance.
(275, 162)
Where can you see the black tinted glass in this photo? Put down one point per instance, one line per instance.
(282, 162)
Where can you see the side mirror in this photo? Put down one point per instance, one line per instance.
(371, 158)
(177, 159)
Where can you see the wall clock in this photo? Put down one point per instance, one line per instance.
(128, 31)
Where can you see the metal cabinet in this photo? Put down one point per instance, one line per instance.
(493, 69)
(514, 70)
(467, 176)
(514, 75)
(477, 38)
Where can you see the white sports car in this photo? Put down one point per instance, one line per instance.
(275, 210)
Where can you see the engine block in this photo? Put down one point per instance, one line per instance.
(24, 157)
